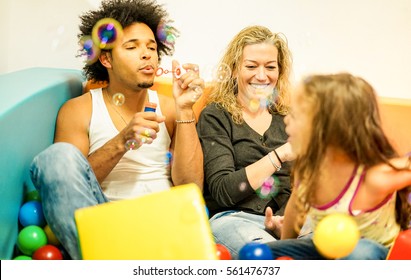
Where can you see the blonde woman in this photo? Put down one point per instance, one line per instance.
(242, 133)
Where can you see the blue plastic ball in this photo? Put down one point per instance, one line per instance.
(255, 251)
(31, 213)
(207, 212)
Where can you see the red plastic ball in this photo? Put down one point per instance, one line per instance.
(47, 252)
(284, 258)
(223, 253)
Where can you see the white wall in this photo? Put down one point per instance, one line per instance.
(370, 38)
(40, 33)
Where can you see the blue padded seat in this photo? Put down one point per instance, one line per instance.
(30, 100)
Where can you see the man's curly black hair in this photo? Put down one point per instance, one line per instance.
(126, 12)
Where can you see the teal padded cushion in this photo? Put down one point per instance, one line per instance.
(30, 100)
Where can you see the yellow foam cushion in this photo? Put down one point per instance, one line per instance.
(168, 225)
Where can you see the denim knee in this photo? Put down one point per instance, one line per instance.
(54, 164)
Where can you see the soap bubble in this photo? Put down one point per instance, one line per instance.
(118, 99)
(105, 32)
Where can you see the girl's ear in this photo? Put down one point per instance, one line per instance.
(105, 59)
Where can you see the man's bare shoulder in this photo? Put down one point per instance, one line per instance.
(73, 122)
(80, 104)
(76, 112)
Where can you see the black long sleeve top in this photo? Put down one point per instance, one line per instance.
(228, 148)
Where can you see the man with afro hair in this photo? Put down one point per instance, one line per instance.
(107, 146)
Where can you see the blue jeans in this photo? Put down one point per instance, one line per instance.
(66, 182)
(234, 229)
(304, 249)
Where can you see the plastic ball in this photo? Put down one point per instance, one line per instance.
(47, 252)
(30, 239)
(223, 253)
(255, 251)
(401, 249)
(51, 238)
(33, 195)
(336, 236)
(207, 212)
(284, 258)
(22, 258)
(31, 213)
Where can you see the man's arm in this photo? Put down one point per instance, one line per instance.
(187, 155)
(72, 127)
(187, 164)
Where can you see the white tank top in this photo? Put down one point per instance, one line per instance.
(139, 172)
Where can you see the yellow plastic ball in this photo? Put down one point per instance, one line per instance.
(51, 238)
(336, 236)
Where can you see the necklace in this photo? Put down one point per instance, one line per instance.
(112, 105)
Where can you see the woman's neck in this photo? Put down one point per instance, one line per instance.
(251, 107)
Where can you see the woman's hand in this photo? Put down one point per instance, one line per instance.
(285, 152)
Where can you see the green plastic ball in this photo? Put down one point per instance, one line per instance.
(22, 258)
(33, 195)
(31, 238)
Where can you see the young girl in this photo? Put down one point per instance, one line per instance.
(345, 164)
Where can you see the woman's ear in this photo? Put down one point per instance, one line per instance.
(235, 73)
(105, 59)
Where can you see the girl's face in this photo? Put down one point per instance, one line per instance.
(299, 121)
(258, 74)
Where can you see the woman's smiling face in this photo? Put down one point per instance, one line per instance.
(258, 72)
